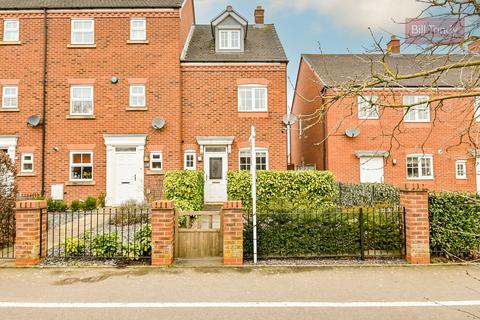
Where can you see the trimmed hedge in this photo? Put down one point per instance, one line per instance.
(185, 187)
(454, 224)
(367, 194)
(330, 232)
(283, 191)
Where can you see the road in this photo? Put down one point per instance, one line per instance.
(404, 292)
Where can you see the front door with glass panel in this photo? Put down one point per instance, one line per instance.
(216, 166)
(128, 184)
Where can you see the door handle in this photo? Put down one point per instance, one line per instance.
(135, 178)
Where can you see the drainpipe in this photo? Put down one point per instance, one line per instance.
(44, 95)
(324, 129)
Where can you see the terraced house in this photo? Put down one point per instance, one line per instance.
(106, 96)
(360, 140)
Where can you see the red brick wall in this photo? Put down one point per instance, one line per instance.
(210, 108)
(187, 16)
(444, 138)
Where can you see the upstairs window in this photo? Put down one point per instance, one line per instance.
(252, 98)
(190, 160)
(81, 100)
(11, 30)
(137, 96)
(138, 29)
(229, 40)
(419, 167)
(420, 112)
(461, 169)
(368, 108)
(10, 97)
(81, 166)
(261, 158)
(83, 31)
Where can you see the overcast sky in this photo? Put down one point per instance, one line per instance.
(337, 26)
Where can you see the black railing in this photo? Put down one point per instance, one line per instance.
(7, 235)
(333, 232)
(101, 233)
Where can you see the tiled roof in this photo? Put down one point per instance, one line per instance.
(337, 69)
(87, 4)
(262, 45)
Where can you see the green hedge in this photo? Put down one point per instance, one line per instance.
(185, 187)
(367, 194)
(454, 224)
(283, 191)
(330, 232)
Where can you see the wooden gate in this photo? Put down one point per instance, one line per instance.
(198, 234)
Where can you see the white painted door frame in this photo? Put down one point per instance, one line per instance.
(121, 141)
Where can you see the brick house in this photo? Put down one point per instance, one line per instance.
(126, 90)
(432, 145)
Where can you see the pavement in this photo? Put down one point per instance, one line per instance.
(328, 292)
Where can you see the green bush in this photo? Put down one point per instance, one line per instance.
(106, 245)
(328, 232)
(76, 205)
(56, 206)
(185, 188)
(142, 245)
(367, 194)
(90, 204)
(130, 213)
(454, 224)
(283, 190)
(74, 247)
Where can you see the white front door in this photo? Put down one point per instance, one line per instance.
(216, 166)
(478, 174)
(371, 170)
(128, 179)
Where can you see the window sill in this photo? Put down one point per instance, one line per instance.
(258, 114)
(419, 179)
(369, 119)
(138, 42)
(26, 174)
(10, 43)
(81, 46)
(154, 173)
(137, 109)
(9, 110)
(80, 117)
(80, 183)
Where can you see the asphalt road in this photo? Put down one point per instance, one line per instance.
(405, 292)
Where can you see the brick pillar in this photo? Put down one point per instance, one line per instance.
(414, 198)
(232, 220)
(163, 233)
(29, 242)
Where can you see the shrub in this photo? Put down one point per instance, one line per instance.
(101, 200)
(185, 188)
(106, 245)
(367, 194)
(74, 247)
(142, 245)
(56, 206)
(454, 224)
(8, 191)
(287, 189)
(130, 213)
(76, 205)
(90, 204)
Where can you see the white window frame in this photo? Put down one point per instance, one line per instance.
(135, 95)
(420, 157)
(83, 99)
(253, 88)
(6, 30)
(226, 41)
(248, 150)
(476, 108)
(73, 31)
(417, 109)
(152, 161)
(5, 97)
(459, 174)
(185, 161)
(142, 29)
(72, 153)
(24, 162)
(368, 108)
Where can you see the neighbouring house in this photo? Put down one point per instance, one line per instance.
(359, 141)
(106, 96)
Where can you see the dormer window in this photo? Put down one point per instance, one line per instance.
(230, 39)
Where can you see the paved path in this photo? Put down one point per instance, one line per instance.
(444, 292)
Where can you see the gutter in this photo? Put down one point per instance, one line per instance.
(44, 95)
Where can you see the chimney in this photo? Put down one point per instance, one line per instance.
(474, 47)
(394, 45)
(259, 15)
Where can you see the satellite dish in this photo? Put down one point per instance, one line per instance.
(158, 123)
(352, 132)
(34, 120)
(290, 119)
(114, 80)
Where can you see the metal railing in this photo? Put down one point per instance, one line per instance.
(328, 233)
(101, 233)
(7, 235)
